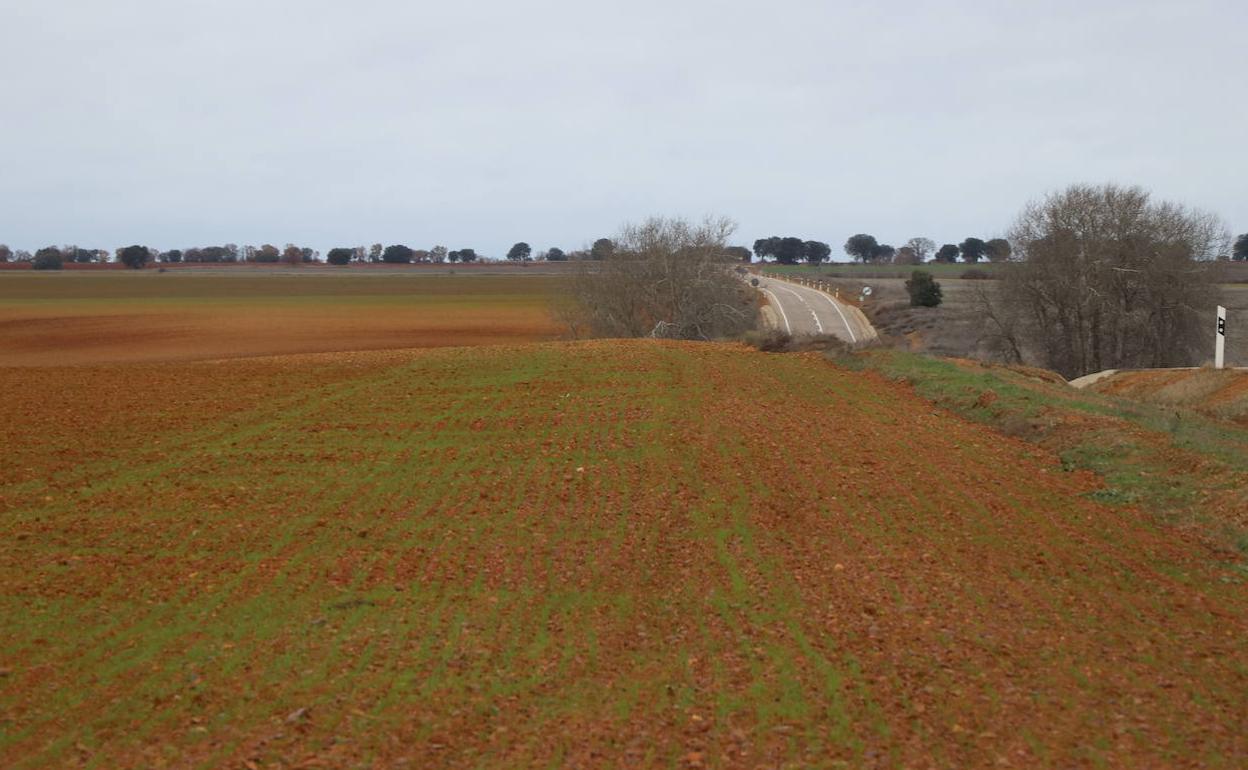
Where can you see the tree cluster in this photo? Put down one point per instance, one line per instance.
(48, 258)
(228, 253)
(339, 255)
(1106, 277)
(975, 249)
(602, 248)
(231, 253)
(790, 250)
(867, 249)
(134, 257)
(397, 254)
(54, 255)
(523, 252)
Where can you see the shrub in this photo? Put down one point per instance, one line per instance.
(769, 340)
(923, 289)
(975, 274)
(780, 341)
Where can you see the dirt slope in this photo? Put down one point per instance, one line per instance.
(581, 555)
(1222, 394)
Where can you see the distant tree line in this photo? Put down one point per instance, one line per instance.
(865, 248)
(788, 250)
(401, 254)
(54, 257)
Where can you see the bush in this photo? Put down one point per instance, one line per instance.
(780, 341)
(923, 289)
(48, 259)
(769, 340)
(975, 274)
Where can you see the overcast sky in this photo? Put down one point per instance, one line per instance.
(175, 123)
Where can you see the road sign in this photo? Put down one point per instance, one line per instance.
(1219, 341)
(866, 291)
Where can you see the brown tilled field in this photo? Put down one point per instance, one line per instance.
(114, 316)
(589, 554)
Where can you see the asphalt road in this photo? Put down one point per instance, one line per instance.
(802, 310)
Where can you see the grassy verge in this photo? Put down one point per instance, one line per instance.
(1187, 469)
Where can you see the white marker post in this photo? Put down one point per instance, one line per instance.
(1219, 344)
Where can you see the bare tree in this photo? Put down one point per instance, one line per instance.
(907, 255)
(1107, 278)
(922, 248)
(1000, 334)
(665, 278)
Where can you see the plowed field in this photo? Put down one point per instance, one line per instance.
(108, 317)
(580, 555)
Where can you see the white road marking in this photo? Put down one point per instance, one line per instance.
(813, 314)
(780, 307)
(853, 338)
(836, 306)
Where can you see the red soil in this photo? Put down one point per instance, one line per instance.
(181, 334)
(1222, 394)
(600, 554)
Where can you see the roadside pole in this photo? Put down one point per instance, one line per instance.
(1219, 344)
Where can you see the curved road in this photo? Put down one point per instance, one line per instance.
(803, 310)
